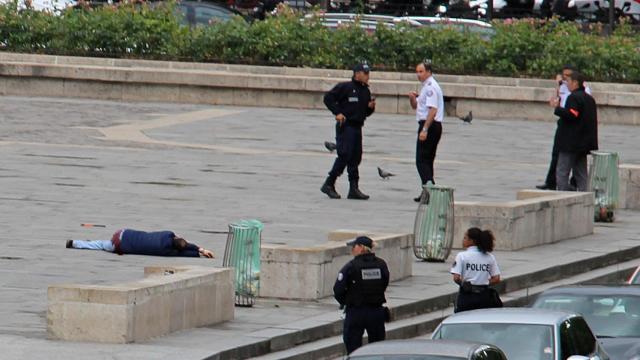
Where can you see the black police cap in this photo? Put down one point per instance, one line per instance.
(361, 67)
(361, 240)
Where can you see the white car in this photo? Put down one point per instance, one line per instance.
(427, 350)
(54, 6)
(525, 333)
(635, 277)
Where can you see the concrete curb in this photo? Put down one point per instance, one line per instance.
(417, 317)
(426, 323)
(222, 84)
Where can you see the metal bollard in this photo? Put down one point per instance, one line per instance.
(433, 228)
(604, 182)
(242, 252)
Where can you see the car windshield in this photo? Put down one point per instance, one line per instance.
(518, 341)
(405, 357)
(607, 316)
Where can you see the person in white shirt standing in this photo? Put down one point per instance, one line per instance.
(474, 270)
(429, 106)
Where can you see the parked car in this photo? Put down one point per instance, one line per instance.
(53, 6)
(427, 350)
(370, 22)
(525, 333)
(204, 13)
(366, 22)
(635, 277)
(598, 10)
(613, 312)
(463, 25)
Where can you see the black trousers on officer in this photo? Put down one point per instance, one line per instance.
(349, 148)
(551, 174)
(361, 318)
(426, 151)
(474, 300)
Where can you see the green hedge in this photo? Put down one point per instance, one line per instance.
(526, 48)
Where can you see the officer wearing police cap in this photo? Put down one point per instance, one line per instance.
(360, 288)
(351, 103)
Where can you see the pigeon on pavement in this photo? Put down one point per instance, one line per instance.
(330, 146)
(467, 118)
(384, 174)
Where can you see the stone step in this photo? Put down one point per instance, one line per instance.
(526, 281)
(332, 347)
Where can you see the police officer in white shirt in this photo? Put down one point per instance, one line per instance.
(562, 93)
(429, 106)
(474, 270)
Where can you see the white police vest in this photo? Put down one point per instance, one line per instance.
(475, 266)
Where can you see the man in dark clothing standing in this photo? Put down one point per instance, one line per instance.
(351, 103)
(577, 134)
(562, 92)
(360, 288)
(128, 241)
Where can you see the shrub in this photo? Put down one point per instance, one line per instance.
(527, 48)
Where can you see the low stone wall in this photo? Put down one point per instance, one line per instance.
(537, 217)
(168, 299)
(222, 84)
(309, 273)
(629, 195)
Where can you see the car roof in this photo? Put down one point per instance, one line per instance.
(447, 20)
(510, 316)
(418, 347)
(593, 290)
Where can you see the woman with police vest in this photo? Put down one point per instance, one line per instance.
(474, 270)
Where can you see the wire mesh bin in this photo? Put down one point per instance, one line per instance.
(242, 252)
(604, 182)
(433, 228)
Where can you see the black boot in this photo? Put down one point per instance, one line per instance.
(355, 193)
(329, 188)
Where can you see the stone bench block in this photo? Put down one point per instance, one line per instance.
(537, 217)
(309, 273)
(629, 196)
(168, 299)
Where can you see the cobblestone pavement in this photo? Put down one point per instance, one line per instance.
(194, 169)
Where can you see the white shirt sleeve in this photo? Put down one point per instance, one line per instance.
(587, 89)
(495, 270)
(432, 97)
(457, 265)
(421, 110)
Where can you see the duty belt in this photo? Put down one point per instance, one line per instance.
(467, 287)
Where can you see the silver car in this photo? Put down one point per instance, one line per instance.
(613, 312)
(526, 334)
(427, 350)
(635, 277)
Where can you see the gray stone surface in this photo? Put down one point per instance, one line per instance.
(193, 168)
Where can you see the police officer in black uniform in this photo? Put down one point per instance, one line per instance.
(360, 288)
(351, 103)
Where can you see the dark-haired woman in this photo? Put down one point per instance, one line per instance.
(474, 270)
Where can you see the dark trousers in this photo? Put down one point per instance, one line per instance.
(551, 174)
(361, 318)
(426, 151)
(349, 148)
(471, 300)
(576, 165)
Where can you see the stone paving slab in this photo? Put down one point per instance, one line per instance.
(181, 169)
